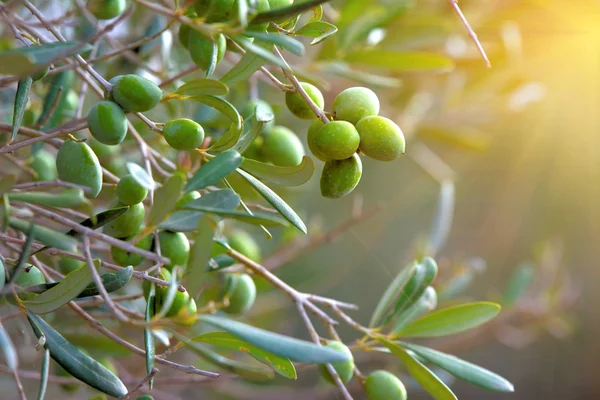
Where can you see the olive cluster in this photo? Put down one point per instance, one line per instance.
(356, 129)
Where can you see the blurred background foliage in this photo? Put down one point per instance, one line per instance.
(523, 141)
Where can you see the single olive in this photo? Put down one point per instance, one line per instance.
(77, 163)
(107, 123)
(201, 49)
(44, 164)
(380, 138)
(261, 6)
(106, 9)
(382, 385)
(340, 177)
(29, 276)
(183, 306)
(40, 74)
(183, 134)
(127, 223)
(336, 140)
(130, 192)
(282, 147)
(243, 242)
(215, 10)
(144, 397)
(345, 369)
(186, 198)
(247, 112)
(314, 127)
(67, 265)
(355, 103)
(31, 115)
(241, 291)
(134, 93)
(73, 387)
(125, 258)
(184, 30)
(299, 107)
(255, 150)
(175, 246)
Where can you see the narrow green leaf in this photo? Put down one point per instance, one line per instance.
(280, 365)
(391, 293)
(259, 51)
(253, 127)
(245, 68)
(442, 222)
(462, 369)
(56, 101)
(214, 170)
(22, 61)
(69, 198)
(165, 199)
(21, 100)
(221, 261)
(74, 361)
(423, 275)
(97, 344)
(231, 137)
(141, 176)
(44, 375)
(449, 321)
(519, 282)
(242, 12)
(255, 218)
(8, 349)
(49, 237)
(426, 303)
(427, 379)
(285, 176)
(317, 14)
(320, 30)
(198, 87)
(149, 344)
(399, 61)
(212, 64)
(100, 219)
(341, 69)
(24, 255)
(182, 221)
(225, 199)
(56, 297)
(283, 12)
(195, 273)
(284, 346)
(277, 202)
(292, 45)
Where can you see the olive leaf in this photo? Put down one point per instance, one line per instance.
(214, 170)
(292, 45)
(285, 176)
(197, 87)
(149, 344)
(194, 276)
(165, 199)
(245, 67)
(44, 371)
(259, 51)
(518, 283)
(21, 100)
(391, 294)
(319, 30)
(141, 176)
(22, 61)
(69, 198)
(283, 12)
(49, 237)
(8, 349)
(399, 61)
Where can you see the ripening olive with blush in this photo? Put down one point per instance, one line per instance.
(127, 223)
(77, 163)
(345, 369)
(299, 107)
(282, 147)
(135, 93)
(340, 177)
(382, 385)
(241, 291)
(183, 134)
(355, 103)
(336, 140)
(106, 9)
(107, 123)
(380, 138)
(175, 246)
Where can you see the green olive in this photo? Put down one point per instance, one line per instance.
(175, 246)
(127, 223)
(243, 242)
(282, 147)
(106, 9)
(77, 163)
(184, 30)
(299, 107)
(29, 276)
(183, 134)
(340, 177)
(73, 387)
(353, 104)
(241, 291)
(30, 116)
(134, 93)
(67, 265)
(186, 198)
(201, 49)
(107, 123)
(261, 6)
(125, 258)
(247, 112)
(380, 138)
(183, 306)
(144, 397)
(130, 192)
(345, 369)
(215, 10)
(255, 150)
(382, 385)
(314, 127)
(336, 140)
(44, 164)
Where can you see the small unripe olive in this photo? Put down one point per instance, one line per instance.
(107, 123)
(29, 276)
(175, 246)
(254, 151)
(134, 93)
(67, 265)
(186, 198)
(382, 385)
(77, 163)
(282, 147)
(299, 107)
(127, 223)
(345, 369)
(183, 306)
(130, 192)
(124, 258)
(183, 134)
(30, 116)
(340, 177)
(353, 104)
(243, 242)
(380, 138)
(201, 49)
(215, 10)
(44, 164)
(106, 9)
(336, 140)
(242, 293)
(261, 6)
